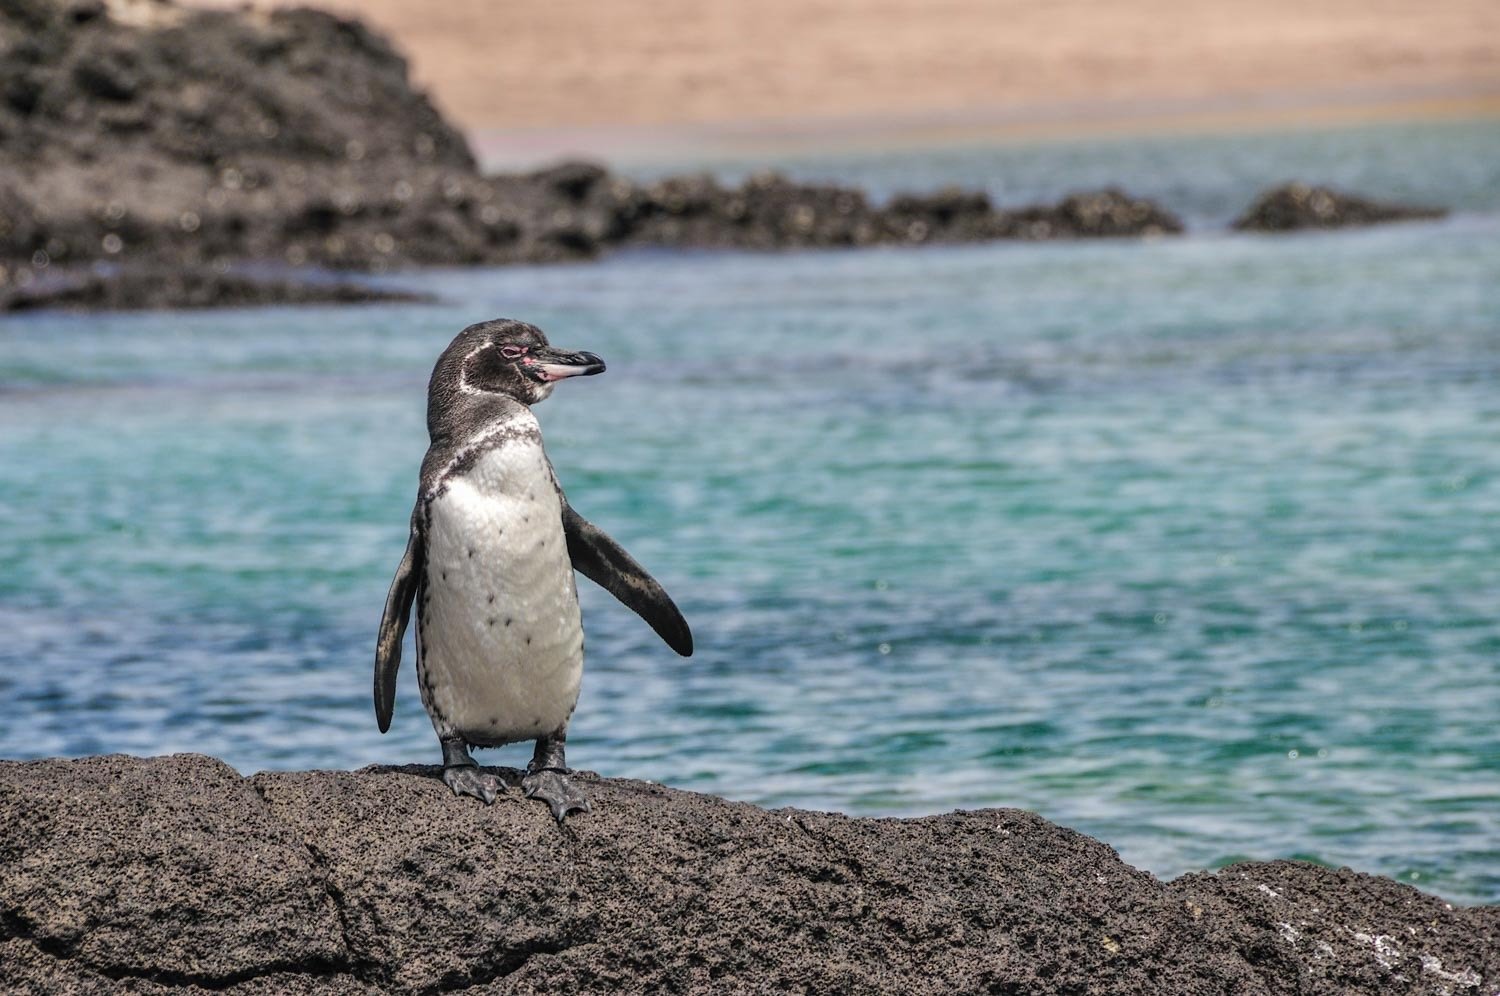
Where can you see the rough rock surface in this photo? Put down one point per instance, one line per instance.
(1298, 205)
(120, 874)
(142, 132)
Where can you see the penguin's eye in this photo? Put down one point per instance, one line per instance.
(512, 352)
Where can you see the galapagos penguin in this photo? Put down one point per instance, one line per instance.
(489, 565)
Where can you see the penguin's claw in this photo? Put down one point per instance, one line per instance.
(561, 796)
(467, 779)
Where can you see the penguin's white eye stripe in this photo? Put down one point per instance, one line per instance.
(511, 352)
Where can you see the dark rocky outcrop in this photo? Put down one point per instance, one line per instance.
(125, 875)
(138, 130)
(141, 132)
(770, 211)
(147, 287)
(149, 83)
(1297, 205)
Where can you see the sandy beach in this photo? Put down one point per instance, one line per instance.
(529, 78)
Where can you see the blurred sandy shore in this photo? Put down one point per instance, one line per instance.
(537, 77)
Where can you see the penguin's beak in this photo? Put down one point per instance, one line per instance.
(554, 364)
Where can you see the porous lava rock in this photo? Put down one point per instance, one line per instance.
(174, 874)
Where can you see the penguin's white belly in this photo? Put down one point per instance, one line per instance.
(501, 654)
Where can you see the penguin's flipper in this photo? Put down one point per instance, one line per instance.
(393, 625)
(605, 562)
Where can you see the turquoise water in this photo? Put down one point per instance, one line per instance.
(1192, 545)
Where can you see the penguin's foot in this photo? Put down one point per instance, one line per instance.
(551, 786)
(467, 779)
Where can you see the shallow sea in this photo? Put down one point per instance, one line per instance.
(1192, 545)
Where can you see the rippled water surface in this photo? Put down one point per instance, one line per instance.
(1192, 545)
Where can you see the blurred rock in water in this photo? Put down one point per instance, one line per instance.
(139, 288)
(138, 131)
(770, 211)
(1298, 205)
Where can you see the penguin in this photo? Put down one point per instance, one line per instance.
(489, 567)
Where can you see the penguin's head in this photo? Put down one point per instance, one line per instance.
(510, 358)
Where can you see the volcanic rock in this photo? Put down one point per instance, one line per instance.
(140, 133)
(174, 874)
(142, 288)
(1297, 205)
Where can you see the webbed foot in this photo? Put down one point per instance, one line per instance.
(467, 779)
(551, 785)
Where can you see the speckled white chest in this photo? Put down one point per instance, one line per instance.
(501, 640)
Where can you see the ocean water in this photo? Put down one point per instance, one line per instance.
(1192, 545)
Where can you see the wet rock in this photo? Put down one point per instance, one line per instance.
(1298, 205)
(128, 875)
(154, 288)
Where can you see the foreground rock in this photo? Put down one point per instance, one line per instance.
(141, 132)
(147, 876)
(1297, 205)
